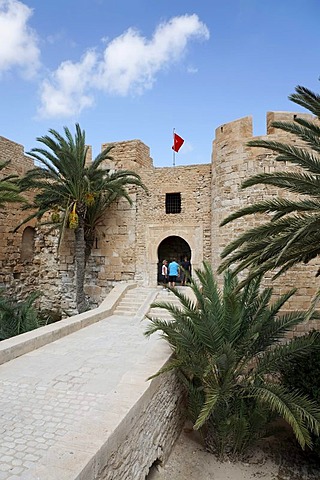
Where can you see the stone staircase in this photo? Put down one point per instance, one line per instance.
(135, 300)
(163, 296)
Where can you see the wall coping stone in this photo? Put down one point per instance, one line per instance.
(26, 342)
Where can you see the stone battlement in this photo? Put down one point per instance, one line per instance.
(241, 130)
(129, 154)
(14, 152)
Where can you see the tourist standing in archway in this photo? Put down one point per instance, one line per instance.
(173, 272)
(185, 271)
(164, 274)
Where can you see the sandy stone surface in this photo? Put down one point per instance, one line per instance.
(275, 461)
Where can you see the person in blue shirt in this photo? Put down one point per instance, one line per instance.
(173, 268)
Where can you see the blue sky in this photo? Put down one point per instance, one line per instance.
(136, 69)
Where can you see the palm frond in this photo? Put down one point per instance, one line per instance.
(291, 236)
(228, 349)
(9, 188)
(210, 401)
(307, 99)
(296, 182)
(307, 131)
(290, 153)
(300, 413)
(280, 206)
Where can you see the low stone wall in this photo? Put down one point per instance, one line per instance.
(27, 342)
(146, 434)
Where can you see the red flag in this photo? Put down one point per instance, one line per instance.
(177, 142)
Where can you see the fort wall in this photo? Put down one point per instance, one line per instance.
(39, 270)
(233, 162)
(128, 239)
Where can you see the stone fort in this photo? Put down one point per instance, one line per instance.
(180, 215)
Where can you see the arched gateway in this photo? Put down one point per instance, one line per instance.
(170, 248)
(175, 241)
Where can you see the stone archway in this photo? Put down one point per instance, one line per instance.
(191, 234)
(170, 248)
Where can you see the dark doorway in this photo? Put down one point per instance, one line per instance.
(170, 248)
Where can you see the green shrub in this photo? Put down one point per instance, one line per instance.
(303, 374)
(18, 317)
(228, 348)
(47, 316)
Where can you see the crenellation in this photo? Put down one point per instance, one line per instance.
(128, 155)
(283, 117)
(234, 131)
(14, 152)
(89, 155)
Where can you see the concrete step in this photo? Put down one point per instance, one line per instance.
(167, 297)
(132, 296)
(126, 313)
(129, 306)
(132, 301)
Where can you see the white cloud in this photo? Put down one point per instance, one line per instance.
(55, 38)
(131, 62)
(128, 65)
(18, 42)
(73, 80)
(192, 70)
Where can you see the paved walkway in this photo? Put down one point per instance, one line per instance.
(58, 401)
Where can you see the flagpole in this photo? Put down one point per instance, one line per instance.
(174, 153)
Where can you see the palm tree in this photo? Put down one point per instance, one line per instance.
(292, 235)
(67, 187)
(9, 190)
(228, 349)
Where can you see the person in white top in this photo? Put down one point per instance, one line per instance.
(164, 274)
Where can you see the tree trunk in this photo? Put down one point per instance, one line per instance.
(89, 237)
(80, 267)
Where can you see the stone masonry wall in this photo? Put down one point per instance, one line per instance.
(124, 240)
(233, 162)
(113, 257)
(154, 224)
(20, 277)
(16, 276)
(147, 434)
